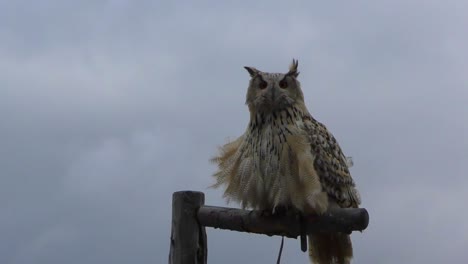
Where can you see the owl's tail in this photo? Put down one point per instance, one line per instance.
(330, 248)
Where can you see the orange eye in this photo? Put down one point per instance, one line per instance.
(283, 84)
(263, 85)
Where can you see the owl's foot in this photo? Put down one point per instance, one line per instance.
(281, 210)
(266, 213)
(278, 211)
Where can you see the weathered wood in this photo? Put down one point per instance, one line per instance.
(343, 220)
(188, 237)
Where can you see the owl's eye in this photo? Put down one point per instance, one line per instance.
(263, 85)
(283, 84)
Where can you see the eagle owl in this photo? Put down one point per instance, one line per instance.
(287, 159)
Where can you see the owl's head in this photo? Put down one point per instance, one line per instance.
(270, 92)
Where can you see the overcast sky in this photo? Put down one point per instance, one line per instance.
(108, 107)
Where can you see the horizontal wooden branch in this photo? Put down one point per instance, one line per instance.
(343, 220)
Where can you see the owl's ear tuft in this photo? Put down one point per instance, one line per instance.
(293, 68)
(252, 71)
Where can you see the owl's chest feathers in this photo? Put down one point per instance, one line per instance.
(267, 135)
(271, 146)
(272, 163)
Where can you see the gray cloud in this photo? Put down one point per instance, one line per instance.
(108, 108)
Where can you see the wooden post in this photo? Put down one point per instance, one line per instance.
(188, 237)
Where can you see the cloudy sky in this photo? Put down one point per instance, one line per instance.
(108, 107)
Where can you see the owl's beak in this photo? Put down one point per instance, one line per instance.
(273, 94)
(271, 98)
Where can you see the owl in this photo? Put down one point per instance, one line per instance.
(288, 159)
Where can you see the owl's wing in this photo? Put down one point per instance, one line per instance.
(331, 165)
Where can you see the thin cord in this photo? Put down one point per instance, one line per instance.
(278, 261)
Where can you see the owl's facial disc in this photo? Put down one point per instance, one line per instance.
(272, 93)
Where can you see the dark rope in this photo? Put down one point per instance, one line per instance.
(303, 229)
(278, 261)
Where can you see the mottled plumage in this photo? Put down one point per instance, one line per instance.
(286, 158)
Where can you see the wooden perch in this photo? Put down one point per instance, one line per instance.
(338, 220)
(190, 217)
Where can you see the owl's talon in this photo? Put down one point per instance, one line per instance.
(266, 213)
(280, 210)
